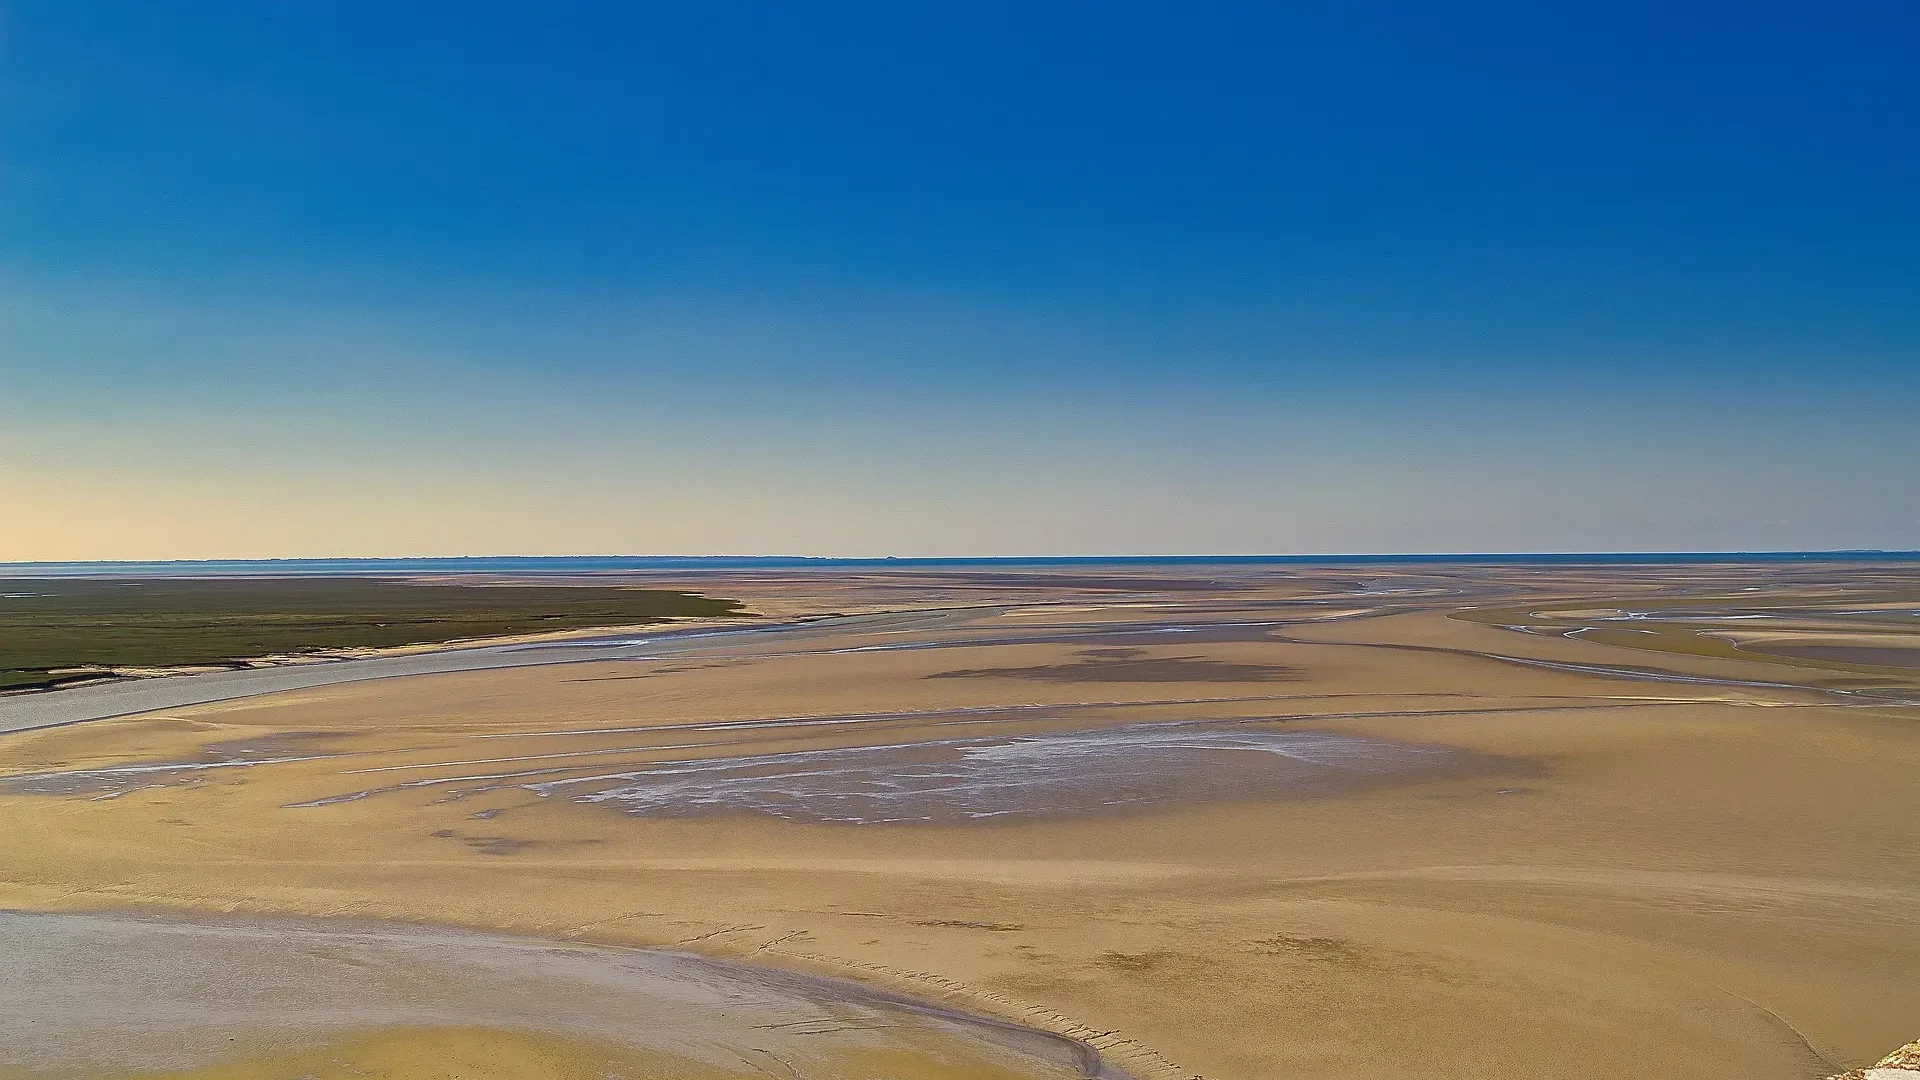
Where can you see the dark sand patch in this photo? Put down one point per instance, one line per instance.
(114, 780)
(1146, 634)
(1091, 583)
(1133, 665)
(1867, 655)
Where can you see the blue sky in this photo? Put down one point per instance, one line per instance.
(341, 279)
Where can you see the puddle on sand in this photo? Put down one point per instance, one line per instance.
(85, 994)
(992, 778)
(971, 779)
(959, 780)
(111, 781)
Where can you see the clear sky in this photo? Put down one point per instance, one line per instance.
(337, 278)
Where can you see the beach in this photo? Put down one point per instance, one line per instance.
(1231, 822)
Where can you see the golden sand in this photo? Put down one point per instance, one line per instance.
(1620, 875)
(455, 1054)
(467, 1053)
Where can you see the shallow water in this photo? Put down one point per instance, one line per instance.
(80, 994)
(1044, 775)
(977, 779)
(111, 781)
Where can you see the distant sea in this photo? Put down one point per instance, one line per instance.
(563, 564)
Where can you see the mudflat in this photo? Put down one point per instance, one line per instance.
(1232, 822)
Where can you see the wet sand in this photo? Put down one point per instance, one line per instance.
(1901, 656)
(88, 995)
(1306, 824)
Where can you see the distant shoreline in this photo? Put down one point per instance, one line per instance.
(135, 673)
(113, 697)
(582, 564)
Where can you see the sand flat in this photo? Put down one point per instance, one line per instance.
(1607, 875)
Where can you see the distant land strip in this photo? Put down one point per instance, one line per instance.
(576, 564)
(60, 631)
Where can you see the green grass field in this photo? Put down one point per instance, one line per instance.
(50, 625)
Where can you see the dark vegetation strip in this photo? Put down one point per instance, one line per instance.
(49, 628)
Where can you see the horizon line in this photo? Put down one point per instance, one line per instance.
(1224, 557)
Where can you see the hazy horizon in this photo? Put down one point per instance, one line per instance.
(285, 282)
(341, 565)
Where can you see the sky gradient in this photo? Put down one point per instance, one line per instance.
(336, 279)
